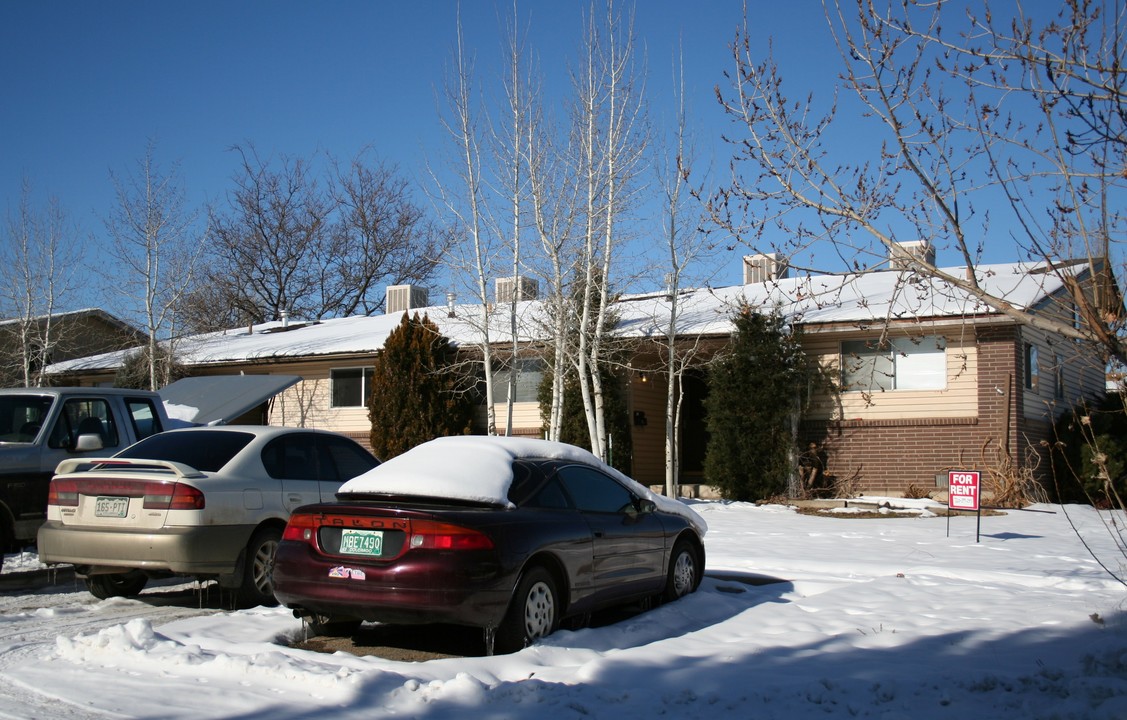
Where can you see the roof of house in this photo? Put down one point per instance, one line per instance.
(94, 313)
(860, 299)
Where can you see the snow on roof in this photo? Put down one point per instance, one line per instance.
(480, 469)
(809, 299)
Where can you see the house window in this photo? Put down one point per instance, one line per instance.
(1032, 367)
(351, 386)
(529, 373)
(918, 363)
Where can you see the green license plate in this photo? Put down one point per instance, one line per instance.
(361, 542)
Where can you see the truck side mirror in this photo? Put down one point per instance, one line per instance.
(88, 443)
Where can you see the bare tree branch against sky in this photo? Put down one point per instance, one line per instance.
(87, 85)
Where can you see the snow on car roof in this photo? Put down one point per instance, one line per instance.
(479, 468)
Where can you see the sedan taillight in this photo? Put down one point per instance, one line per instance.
(444, 536)
(423, 534)
(65, 492)
(301, 528)
(172, 496)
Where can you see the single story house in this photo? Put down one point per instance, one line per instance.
(74, 334)
(931, 379)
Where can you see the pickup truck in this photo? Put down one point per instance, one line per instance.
(41, 427)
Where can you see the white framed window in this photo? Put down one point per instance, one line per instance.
(916, 363)
(350, 386)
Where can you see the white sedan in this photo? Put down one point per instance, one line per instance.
(207, 502)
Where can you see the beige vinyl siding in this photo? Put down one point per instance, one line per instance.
(309, 403)
(526, 418)
(959, 399)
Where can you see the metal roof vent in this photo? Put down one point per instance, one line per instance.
(764, 267)
(519, 288)
(401, 298)
(901, 254)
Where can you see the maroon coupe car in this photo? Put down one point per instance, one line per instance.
(506, 534)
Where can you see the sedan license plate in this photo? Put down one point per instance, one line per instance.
(361, 542)
(112, 507)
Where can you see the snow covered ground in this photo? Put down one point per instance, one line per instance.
(873, 618)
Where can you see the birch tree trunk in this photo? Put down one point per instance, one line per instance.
(611, 145)
(152, 240)
(37, 263)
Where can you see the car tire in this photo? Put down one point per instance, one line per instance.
(127, 584)
(330, 626)
(534, 612)
(684, 571)
(258, 568)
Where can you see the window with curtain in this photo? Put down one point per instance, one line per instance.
(916, 363)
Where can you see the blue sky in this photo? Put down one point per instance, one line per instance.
(85, 85)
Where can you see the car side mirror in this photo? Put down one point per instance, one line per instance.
(646, 506)
(88, 443)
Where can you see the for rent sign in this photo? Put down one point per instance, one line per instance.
(963, 486)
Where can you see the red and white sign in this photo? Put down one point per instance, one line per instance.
(963, 488)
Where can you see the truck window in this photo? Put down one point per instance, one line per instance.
(21, 416)
(146, 422)
(80, 416)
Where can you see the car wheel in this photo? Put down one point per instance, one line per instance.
(116, 585)
(684, 573)
(258, 568)
(534, 612)
(331, 626)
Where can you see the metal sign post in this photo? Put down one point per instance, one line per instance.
(963, 493)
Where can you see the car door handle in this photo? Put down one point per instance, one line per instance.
(295, 498)
(598, 533)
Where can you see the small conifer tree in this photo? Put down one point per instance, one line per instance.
(416, 393)
(755, 388)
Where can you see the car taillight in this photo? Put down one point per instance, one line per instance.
(63, 493)
(172, 496)
(433, 535)
(301, 527)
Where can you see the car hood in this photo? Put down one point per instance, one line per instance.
(220, 399)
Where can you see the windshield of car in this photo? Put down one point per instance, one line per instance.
(21, 416)
(204, 450)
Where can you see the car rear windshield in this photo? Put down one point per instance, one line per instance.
(207, 450)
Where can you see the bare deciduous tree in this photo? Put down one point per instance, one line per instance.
(1015, 122)
(511, 144)
(473, 253)
(382, 237)
(290, 242)
(270, 244)
(155, 240)
(686, 245)
(609, 143)
(37, 265)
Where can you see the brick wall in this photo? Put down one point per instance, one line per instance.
(889, 456)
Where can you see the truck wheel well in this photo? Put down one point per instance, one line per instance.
(7, 529)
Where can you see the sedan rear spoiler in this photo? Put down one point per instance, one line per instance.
(180, 470)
